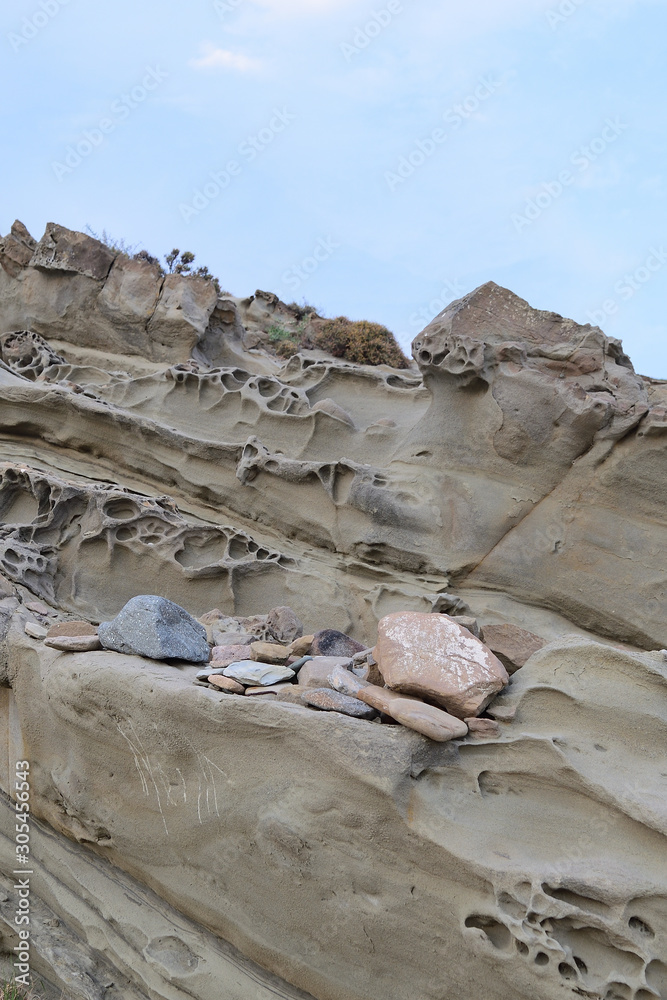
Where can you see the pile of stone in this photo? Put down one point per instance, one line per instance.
(432, 673)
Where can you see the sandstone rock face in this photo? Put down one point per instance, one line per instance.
(181, 316)
(16, 249)
(130, 308)
(253, 847)
(154, 627)
(433, 657)
(61, 249)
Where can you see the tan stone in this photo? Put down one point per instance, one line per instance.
(410, 712)
(301, 646)
(38, 608)
(284, 625)
(35, 631)
(429, 655)
(74, 643)
(328, 700)
(268, 652)
(228, 638)
(512, 645)
(272, 689)
(291, 693)
(212, 617)
(130, 293)
(222, 656)
(503, 713)
(315, 673)
(415, 714)
(181, 316)
(482, 728)
(227, 684)
(62, 249)
(71, 629)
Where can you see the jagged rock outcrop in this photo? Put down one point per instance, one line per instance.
(254, 847)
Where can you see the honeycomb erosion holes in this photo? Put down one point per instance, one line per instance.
(188, 844)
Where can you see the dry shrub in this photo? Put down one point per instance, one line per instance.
(360, 341)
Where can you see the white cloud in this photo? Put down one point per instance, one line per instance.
(214, 58)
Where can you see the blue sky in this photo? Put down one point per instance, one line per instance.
(375, 159)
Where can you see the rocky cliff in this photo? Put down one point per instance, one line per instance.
(187, 844)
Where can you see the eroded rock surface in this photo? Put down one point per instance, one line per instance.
(256, 847)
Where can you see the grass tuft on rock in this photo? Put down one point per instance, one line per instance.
(14, 991)
(360, 341)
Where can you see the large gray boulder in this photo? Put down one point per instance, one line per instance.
(157, 628)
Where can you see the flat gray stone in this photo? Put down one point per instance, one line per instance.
(35, 631)
(157, 628)
(332, 701)
(255, 674)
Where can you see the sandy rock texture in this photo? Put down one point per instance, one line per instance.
(354, 860)
(513, 479)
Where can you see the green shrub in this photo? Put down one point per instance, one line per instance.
(360, 341)
(284, 342)
(12, 991)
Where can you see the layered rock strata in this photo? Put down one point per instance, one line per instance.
(191, 843)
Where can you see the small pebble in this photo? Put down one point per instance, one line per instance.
(36, 631)
(269, 652)
(284, 625)
(222, 656)
(315, 673)
(273, 689)
(332, 701)
(74, 643)
(297, 664)
(205, 674)
(255, 674)
(301, 646)
(71, 628)
(331, 642)
(227, 684)
(483, 728)
(39, 609)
